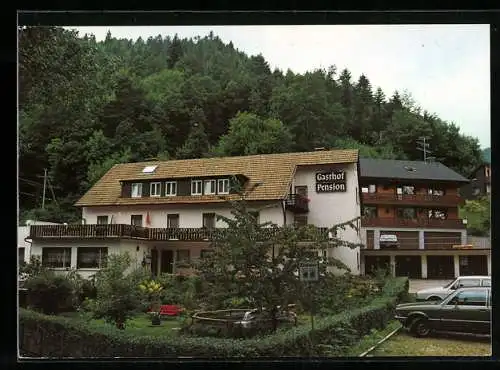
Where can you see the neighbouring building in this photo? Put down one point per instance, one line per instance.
(411, 224)
(164, 212)
(480, 183)
(23, 240)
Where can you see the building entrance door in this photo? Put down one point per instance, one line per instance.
(167, 261)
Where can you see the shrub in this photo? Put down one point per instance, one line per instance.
(63, 337)
(118, 297)
(49, 292)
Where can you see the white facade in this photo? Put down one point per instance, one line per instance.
(325, 210)
(23, 243)
(329, 209)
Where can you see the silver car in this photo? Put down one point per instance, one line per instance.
(439, 293)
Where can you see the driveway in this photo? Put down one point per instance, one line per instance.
(418, 284)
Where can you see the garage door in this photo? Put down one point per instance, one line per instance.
(374, 262)
(473, 265)
(410, 266)
(440, 267)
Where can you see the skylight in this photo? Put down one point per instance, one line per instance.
(149, 169)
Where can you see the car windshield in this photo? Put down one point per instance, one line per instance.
(449, 284)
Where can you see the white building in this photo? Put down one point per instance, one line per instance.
(172, 206)
(23, 240)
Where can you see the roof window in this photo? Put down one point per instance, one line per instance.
(149, 169)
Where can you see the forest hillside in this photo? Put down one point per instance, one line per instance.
(85, 106)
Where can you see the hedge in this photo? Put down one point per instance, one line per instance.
(56, 336)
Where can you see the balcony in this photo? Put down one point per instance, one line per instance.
(297, 203)
(413, 223)
(415, 199)
(121, 231)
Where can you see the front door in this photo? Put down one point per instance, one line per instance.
(154, 262)
(167, 260)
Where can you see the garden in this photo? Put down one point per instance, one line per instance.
(247, 300)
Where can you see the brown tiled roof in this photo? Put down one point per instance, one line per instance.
(273, 171)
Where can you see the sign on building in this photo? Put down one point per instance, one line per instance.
(331, 182)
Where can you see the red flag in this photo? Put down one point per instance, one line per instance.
(148, 219)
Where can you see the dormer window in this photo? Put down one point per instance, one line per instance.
(210, 187)
(196, 187)
(136, 190)
(155, 189)
(171, 188)
(223, 186)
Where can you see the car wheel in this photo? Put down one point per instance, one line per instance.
(434, 298)
(420, 327)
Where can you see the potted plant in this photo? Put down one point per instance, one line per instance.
(153, 291)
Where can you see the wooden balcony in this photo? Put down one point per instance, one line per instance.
(121, 231)
(416, 199)
(297, 203)
(412, 223)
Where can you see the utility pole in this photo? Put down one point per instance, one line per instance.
(44, 187)
(424, 146)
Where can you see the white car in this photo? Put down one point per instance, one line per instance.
(439, 293)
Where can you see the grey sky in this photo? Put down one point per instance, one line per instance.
(446, 68)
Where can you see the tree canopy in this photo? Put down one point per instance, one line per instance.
(86, 105)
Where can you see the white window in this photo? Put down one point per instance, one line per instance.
(136, 190)
(171, 188)
(372, 188)
(223, 186)
(149, 169)
(155, 189)
(56, 257)
(364, 189)
(209, 186)
(196, 187)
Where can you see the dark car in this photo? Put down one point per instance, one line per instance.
(466, 310)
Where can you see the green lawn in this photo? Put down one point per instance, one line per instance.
(404, 344)
(141, 324)
(372, 339)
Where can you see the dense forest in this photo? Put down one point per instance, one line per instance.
(85, 106)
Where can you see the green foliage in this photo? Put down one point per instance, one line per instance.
(478, 215)
(118, 296)
(49, 292)
(333, 334)
(250, 134)
(246, 261)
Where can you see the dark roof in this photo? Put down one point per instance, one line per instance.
(412, 170)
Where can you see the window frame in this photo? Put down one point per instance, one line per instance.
(66, 257)
(171, 216)
(136, 185)
(170, 185)
(223, 181)
(214, 218)
(213, 183)
(101, 262)
(197, 183)
(156, 185)
(101, 217)
(178, 260)
(142, 220)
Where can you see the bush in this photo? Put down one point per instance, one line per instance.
(63, 337)
(50, 293)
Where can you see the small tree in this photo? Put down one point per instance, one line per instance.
(261, 261)
(118, 295)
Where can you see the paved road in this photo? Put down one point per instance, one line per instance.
(418, 284)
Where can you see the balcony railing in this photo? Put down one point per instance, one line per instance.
(115, 231)
(297, 203)
(410, 199)
(413, 223)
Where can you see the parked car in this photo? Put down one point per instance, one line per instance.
(466, 310)
(439, 293)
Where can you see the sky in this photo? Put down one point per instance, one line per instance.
(446, 68)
